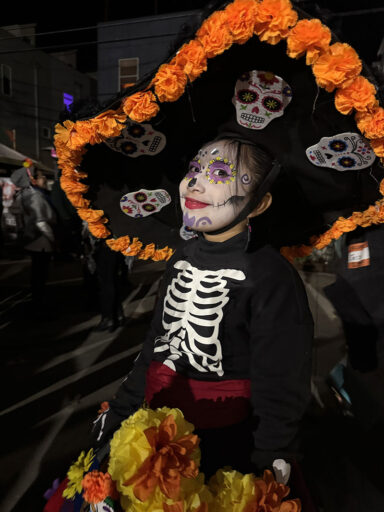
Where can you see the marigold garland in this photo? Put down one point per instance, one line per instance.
(359, 95)
(308, 37)
(274, 19)
(241, 16)
(169, 82)
(215, 35)
(335, 67)
(98, 486)
(141, 106)
(338, 67)
(191, 58)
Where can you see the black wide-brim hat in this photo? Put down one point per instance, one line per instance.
(255, 70)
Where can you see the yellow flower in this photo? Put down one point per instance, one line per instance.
(232, 490)
(76, 473)
(132, 451)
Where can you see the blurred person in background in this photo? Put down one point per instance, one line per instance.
(39, 220)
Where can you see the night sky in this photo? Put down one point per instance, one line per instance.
(364, 31)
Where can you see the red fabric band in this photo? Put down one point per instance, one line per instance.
(206, 404)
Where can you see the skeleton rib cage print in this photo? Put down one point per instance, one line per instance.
(192, 312)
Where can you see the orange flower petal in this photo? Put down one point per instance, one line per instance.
(359, 95)
(169, 82)
(371, 124)
(90, 215)
(310, 37)
(338, 67)
(141, 106)
(241, 19)
(215, 35)
(274, 19)
(378, 146)
(191, 59)
(98, 229)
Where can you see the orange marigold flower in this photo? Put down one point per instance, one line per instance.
(269, 494)
(214, 34)
(97, 486)
(274, 18)
(148, 251)
(378, 146)
(371, 124)
(338, 67)
(310, 37)
(141, 106)
(118, 244)
(170, 460)
(72, 185)
(241, 19)
(359, 95)
(346, 225)
(162, 254)
(191, 59)
(90, 215)
(98, 229)
(109, 123)
(169, 82)
(134, 248)
(77, 199)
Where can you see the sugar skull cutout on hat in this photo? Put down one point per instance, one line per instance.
(138, 140)
(342, 152)
(144, 202)
(260, 97)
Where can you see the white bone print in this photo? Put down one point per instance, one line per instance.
(192, 312)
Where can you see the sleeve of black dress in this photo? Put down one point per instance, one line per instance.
(130, 395)
(281, 348)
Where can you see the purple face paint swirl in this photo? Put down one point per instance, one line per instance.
(204, 221)
(245, 179)
(188, 221)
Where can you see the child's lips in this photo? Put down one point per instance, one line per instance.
(193, 204)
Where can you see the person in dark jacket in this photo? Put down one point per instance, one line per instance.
(39, 220)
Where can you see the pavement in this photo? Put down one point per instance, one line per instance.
(56, 371)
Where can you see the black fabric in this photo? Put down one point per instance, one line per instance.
(266, 336)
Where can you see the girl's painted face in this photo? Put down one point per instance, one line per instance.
(214, 191)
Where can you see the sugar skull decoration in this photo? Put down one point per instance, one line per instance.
(342, 152)
(138, 140)
(144, 202)
(186, 233)
(260, 97)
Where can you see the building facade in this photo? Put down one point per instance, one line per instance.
(129, 49)
(34, 88)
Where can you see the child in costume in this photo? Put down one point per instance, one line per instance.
(230, 341)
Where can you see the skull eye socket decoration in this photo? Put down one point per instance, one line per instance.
(138, 140)
(260, 97)
(220, 171)
(342, 152)
(144, 202)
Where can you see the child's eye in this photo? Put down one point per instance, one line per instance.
(222, 173)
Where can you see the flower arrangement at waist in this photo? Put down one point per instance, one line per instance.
(153, 466)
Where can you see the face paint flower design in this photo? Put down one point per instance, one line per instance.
(268, 78)
(136, 130)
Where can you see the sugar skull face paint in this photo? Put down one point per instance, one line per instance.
(214, 191)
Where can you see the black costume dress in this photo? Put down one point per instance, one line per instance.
(230, 345)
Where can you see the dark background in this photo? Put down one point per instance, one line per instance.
(363, 30)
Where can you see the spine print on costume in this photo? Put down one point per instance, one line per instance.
(193, 310)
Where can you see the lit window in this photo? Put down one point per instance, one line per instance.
(128, 72)
(6, 80)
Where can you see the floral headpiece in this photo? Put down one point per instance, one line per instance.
(228, 42)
